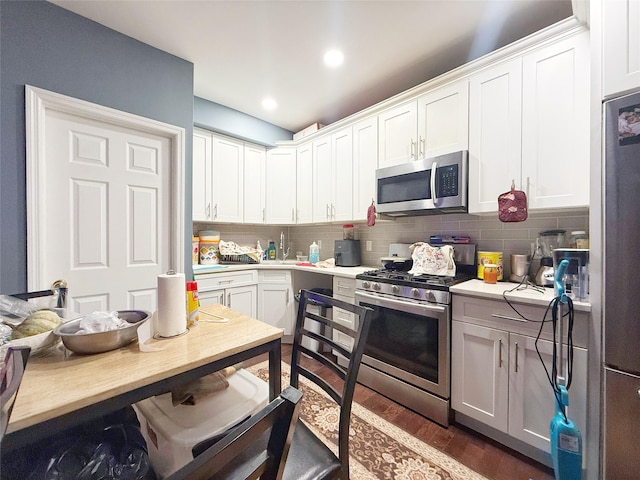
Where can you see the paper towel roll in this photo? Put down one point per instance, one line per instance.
(172, 312)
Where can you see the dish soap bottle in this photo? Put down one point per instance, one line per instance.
(314, 252)
(271, 251)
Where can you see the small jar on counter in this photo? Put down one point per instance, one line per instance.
(348, 232)
(579, 239)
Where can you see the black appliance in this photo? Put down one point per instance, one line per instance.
(347, 253)
(408, 352)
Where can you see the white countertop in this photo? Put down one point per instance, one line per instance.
(477, 288)
(349, 272)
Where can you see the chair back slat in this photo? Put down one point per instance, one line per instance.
(257, 448)
(15, 363)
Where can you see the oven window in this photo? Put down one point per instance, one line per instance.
(404, 340)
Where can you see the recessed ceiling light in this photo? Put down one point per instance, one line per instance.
(333, 58)
(269, 104)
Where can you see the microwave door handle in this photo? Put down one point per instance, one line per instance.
(434, 168)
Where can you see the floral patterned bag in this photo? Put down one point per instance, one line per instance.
(431, 260)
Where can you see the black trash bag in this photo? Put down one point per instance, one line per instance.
(111, 447)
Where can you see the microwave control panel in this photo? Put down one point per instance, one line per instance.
(447, 181)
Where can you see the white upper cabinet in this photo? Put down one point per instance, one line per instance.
(228, 180)
(365, 163)
(443, 120)
(529, 122)
(254, 184)
(322, 179)
(342, 177)
(304, 181)
(555, 124)
(280, 177)
(202, 182)
(495, 127)
(333, 177)
(435, 123)
(621, 46)
(398, 134)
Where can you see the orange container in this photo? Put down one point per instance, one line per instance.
(490, 273)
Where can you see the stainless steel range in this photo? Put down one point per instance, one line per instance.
(408, 352)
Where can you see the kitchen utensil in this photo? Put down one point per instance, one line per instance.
(86, 343)
(519, 267)
(544, 275)
(550, 240)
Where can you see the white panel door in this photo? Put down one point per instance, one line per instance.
(342, 175)
(531, 400)
(365, 162)
(443, 120)
(555, 124)
(398, 137)
(621, 46)
(106, 212)
(495, 134)
(201, 176)
(228, 180)
(254, 187)
(480, 373)
(281, 186)
(322, 179)
(304, 182)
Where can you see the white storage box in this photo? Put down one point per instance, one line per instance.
(171, 432)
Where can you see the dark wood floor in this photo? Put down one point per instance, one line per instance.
(479, 453)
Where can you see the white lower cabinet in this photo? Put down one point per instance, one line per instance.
(497, 378)
(236, 290)
(276, 304)
(343, 289)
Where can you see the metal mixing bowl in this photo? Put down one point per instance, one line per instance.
(86, 343)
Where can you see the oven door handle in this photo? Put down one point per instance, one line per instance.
(386, 302)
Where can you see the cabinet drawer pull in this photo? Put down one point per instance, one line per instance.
(507, 317)
(413, 144)
(225, 282)
(516, 357)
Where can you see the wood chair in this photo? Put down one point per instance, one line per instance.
(309, 457)
(257, 448)
(11, 374)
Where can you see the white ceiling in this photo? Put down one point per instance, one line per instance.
(243, 51)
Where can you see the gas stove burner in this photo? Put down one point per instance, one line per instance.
(407, 279)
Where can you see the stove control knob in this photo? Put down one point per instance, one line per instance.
(415, 292)
(366, 284)
(431, 296)
(395, 289)
(376, 286)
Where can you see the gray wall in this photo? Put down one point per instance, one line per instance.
(221, 119)
(46, 46)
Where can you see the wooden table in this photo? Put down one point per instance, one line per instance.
(64, 389)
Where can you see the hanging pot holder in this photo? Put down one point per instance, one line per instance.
(512, 205)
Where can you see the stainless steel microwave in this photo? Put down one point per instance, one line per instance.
(423, 187)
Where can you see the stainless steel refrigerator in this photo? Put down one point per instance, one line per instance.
(622, 289)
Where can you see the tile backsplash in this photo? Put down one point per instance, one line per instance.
(486, 231)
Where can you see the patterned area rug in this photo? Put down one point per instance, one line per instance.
(379, 449)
